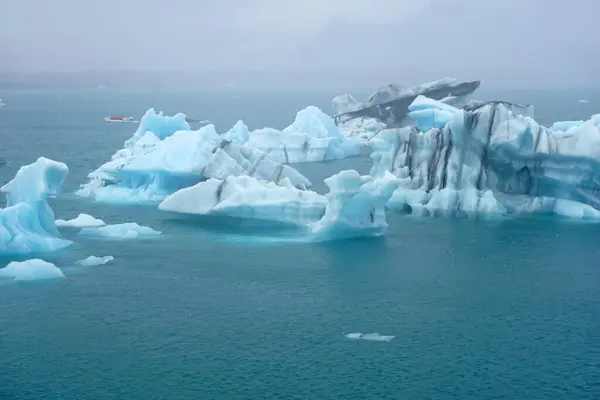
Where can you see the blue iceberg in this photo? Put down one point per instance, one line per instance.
(313, 136)
(355, 205)
(152, 166)
(31, 270)
(491, 160)
(27, 223)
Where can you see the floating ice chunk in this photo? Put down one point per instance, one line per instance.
(36, 182)
(149, 169)
(129, 230)
(355, 206)
(583, 101)
(375, 336)
(246, 197)
(81, 221)
(159, 125)
(27, 223)
(93, 261)
(238, 134)
(492, 160)
(31, 270)
(313, 136)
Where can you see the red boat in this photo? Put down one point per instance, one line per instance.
(119, 119)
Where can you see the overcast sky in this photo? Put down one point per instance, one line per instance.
(505, 40)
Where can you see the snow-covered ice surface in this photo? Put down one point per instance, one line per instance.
(355, 205)
(490, 160)
(129, 230)
(93, 261)
(27, 222)
(81, 221)
(164, 155)
(375, 336)
(31, 270)
(313, 136)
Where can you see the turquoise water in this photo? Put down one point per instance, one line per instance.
(479, 310)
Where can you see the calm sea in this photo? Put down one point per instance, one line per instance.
(479, 310)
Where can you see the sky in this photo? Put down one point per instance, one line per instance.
(513, 41)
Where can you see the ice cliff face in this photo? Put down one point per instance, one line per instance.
(490, 159)
(27, 223)
(153, 165)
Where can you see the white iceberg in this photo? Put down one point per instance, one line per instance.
(375, 336)
(490, 160)
(81, 221)
(128, 230)
(93, 261)
(313, 136)
(27, 223)
(153, 165)
(247, 197)
(565, 126)
(354, 207)
(31, 270)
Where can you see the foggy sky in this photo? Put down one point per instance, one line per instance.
(502, 40)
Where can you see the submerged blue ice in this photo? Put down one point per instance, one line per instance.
(27, 223)
(493, 160)
(152, 166)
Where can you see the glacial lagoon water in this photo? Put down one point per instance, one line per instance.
(210, 310)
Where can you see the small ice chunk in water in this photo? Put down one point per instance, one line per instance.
(81, 221)
(375, 336)
(93, 261)
(129, 230)
(31, 270)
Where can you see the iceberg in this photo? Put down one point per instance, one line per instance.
(27, 222)
(247, 197)
(128, 230)
(313, 136)
(375, 336)
(93, 261)
(490, 160)
(153, 165)
(565, 126)
(389, 105)
(354, 207)
(31, 270)
(81, 221)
